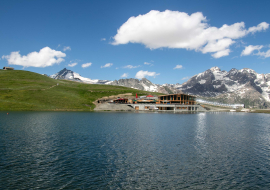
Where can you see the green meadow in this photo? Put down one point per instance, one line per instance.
(28, 91)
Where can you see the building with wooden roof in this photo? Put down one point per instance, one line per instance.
(177, 99)
(170, 102)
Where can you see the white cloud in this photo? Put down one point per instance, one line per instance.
(178, 67)
(150, 64)
(219, 45)
(259, 27)
(86, 65)
(66, 48)
(173, 29)
(249, 49)
(103, 39)
(221, 53)
(142, 74)
(44, 58)
(107, 65)
(131, 67)
(185, 78)
(264, 54)
(125, 75)
(72, 64)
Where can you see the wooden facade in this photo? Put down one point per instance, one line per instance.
(177, 99)
(145, 101)
(121, 101)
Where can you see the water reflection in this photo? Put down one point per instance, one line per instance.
(201, 132)
(129, 151)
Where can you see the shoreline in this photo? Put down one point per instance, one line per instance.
(136, 111)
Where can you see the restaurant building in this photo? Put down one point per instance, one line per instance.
(172, 102)
(177, 99)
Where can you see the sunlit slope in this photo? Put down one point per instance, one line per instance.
(24, 90)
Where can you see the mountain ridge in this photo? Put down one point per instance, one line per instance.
(70, 75)
(234, 86)
(229, 87)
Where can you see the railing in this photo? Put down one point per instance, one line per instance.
(220, 104)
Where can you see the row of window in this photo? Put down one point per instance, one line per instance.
(177, 98)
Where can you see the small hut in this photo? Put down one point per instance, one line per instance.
(8, 68)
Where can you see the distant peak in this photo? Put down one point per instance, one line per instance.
(248, 70)
(144, 79)
(63, 70)
(215, 69)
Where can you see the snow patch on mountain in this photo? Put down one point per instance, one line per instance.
(235, 84)
(70, 75)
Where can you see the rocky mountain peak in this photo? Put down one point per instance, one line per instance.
(240, 85)
(247, 70)
(70, 75)
(215, 69)
(146, 81)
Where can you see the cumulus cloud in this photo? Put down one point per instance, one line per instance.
(66, 48)
(72, 64)
(173, 29)
(125, 75)
(107, 65)
(221, 53)
(103, 39)
(44, 58)
(249, 49)
(264, 54)
(86, 65)
(219, 45)
(178, 67)
(142, 74)
(259, 27)
(131, 67)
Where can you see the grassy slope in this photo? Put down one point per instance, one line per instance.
(24, 90)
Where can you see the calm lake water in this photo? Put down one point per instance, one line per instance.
(80, 150)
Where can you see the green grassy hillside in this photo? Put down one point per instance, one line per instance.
(24, 90)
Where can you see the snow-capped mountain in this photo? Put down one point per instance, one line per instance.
(235, 86)
(146, 85)
(70, 75)
(142, 84)
(241, 85)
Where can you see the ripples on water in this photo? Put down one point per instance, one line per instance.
(54, 150)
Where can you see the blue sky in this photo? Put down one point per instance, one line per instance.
(164, 41)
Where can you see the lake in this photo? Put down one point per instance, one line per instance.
(121, 150)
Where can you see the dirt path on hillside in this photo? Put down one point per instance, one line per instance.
(50, 87)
